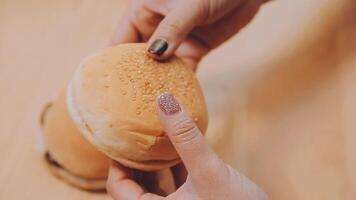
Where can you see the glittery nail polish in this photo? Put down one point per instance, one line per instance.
(168, 104)
(158, 47)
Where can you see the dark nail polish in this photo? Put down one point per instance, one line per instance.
(158, 47)
(168, 104)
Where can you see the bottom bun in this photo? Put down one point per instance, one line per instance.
(95, 185)
(69, 155)
(152, 165)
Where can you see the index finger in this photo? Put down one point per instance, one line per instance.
(120, 186)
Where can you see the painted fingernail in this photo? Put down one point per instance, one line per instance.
(158, 47)
(168, 104)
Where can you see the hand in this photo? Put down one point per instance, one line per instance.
(208, 176)
(187, 28)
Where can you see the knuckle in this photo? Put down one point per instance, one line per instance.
(203, 10)
(183, 126)
(210, 6)
(174, 27)
(209, 9)
(185, 130)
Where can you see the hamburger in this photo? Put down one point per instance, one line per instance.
(110, 105)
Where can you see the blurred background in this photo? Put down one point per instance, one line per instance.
(281, 94)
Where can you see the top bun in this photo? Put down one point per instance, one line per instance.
(112, 100)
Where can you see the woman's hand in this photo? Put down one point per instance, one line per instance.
(187, 28)
(208, 176)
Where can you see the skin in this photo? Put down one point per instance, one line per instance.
(191, 28)
(202, 165)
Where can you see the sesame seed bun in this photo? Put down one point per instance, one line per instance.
(69, 155)
(112, 101)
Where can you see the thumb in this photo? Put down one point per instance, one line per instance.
(174, 28)
(186, 137)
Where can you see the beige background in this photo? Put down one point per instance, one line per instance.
(281, 94)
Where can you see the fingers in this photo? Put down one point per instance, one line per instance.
(187, 139)
(121, 187)
(174, 28)
(167, 25)
(125, 33)
(140, 21)
(191, 51)
(212, 35)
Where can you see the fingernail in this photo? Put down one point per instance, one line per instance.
(168, 104)
(158, 47)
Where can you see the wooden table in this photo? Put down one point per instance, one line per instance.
(281, 94)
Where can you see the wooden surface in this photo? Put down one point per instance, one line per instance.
(281, 94)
